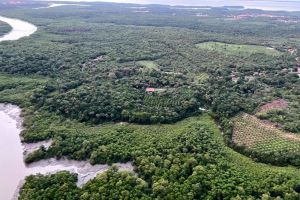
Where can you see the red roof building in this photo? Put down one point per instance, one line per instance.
(150, 89)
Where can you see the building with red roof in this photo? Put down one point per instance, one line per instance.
(150, 89)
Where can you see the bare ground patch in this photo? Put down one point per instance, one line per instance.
(276, 104)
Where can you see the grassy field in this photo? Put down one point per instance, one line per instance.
(148, 64)
(264, 139)
(237, 49)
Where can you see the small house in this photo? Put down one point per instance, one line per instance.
(150, 90)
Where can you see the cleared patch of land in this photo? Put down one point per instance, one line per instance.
(276, 104)
(202, 77)
(262, 138)
(148, 64)
(237, 49)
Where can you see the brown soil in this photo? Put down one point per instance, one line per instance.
(292, 137)
(277, 104)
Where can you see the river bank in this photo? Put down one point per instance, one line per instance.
(12, 151)
(13, 170)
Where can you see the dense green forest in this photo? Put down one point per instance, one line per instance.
(187, 160)
(88, 68)
(4, 28)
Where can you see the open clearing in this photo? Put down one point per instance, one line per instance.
(262, 138)
(202, 77)
(237, 49)
(276, 104)
(148, 64)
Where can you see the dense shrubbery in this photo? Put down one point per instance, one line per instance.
(289, 117)
(4, 28)
(122, 99)
(89, 59)
(95, 70)
(59, 186)
(187, 160)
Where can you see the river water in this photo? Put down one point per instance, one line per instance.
(19, 29)
(12, 168)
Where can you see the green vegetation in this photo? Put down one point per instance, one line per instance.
(59, 186)
(187, 160)
(148, 64)
(4, 28)
(289, 118)
(237, 49)
(96, 76)
(297, 40)
(87, 69)
(202, 77)
(265, 142)
(18, 89)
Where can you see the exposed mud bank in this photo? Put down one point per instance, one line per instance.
(13, 170)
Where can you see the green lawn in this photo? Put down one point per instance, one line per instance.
(237, 49)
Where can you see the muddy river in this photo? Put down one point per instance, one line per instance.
(12, 168)
(19, 29)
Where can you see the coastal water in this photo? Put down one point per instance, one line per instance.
(287, 5)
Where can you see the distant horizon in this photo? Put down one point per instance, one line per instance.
(276, 5)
